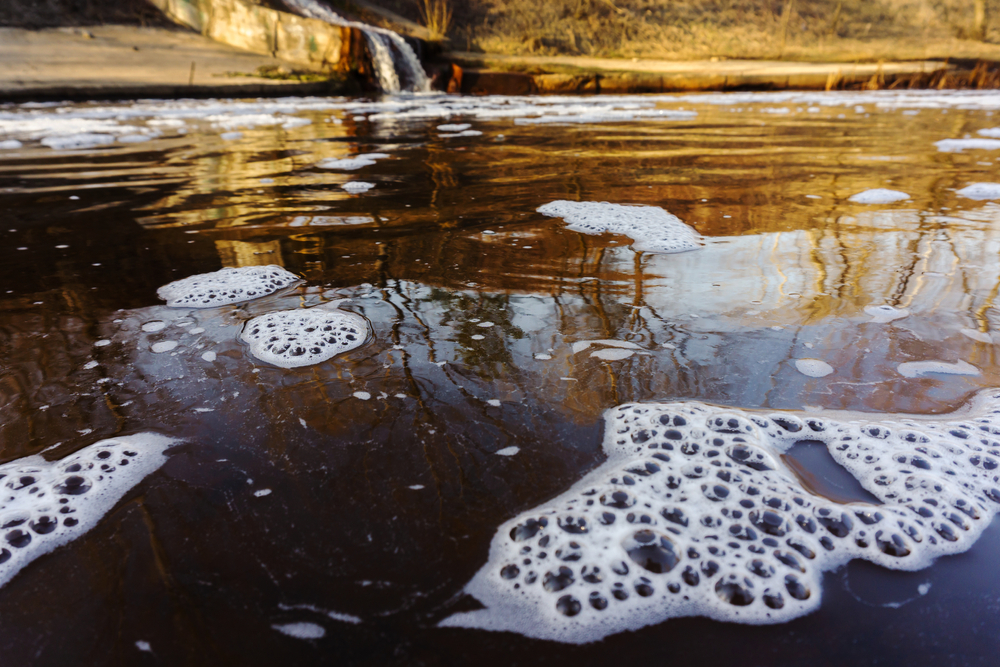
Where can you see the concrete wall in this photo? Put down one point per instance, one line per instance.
(294, 39)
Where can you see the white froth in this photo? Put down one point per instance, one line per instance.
(351, 163)
(293, 338)
(959, 145)
(45, 504)
(229, 285)
(416, 487)
(814, 368)
(356, 187)
(208, 356)
(463, 133)
(154, 326)
(231, 136)
(884, 314)
(362, 395)
(260, 493)
(77, 141)
(10, 144)
(696, 513)
(90, 364)
(102, 343)
(541, 356)
(612, 354)
(301, 630)
(163, 346)
(980, 191)
(914, 369)
(879, 196)
(508, 451)
(651, 228)
(975, 334)
(454, 127)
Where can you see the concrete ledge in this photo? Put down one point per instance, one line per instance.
(306, 42)
(490, 74)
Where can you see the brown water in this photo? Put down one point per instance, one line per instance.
(199, 567)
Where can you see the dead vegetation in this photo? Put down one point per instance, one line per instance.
(845, 30)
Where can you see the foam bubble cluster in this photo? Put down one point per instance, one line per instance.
(651, 228)
(219, 288)
(695, 513)
(44, 505)
(980, 191)
(879, 196)
(293, 338)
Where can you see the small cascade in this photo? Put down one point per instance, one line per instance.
(391, 54)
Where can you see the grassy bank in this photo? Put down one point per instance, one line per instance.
(811, 30)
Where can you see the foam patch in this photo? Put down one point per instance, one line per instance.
(980, 191)
(879, 196)
(219, 288)
(351, 163)
(695, 514)
(44, 505)
(651, 228)
(959, 145)
(293, 338)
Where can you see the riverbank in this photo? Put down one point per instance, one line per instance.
(117, 61)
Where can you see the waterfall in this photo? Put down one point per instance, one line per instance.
(384, 46)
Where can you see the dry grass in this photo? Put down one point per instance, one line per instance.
(436, 16)
(694, 29)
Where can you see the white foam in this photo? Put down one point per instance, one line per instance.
(208, 356)
(454, 127)
(959, 145)
(612, 354)
(980, 191)
(508, 451)
(975, 334)
(301, 630)
(651, 228)
(104, 342)
(77, 141)
(696, 513)
(163, 346)
(351, 163)
(494, 402)
(879, 196)
(231, 136)
(90, 364)
(355, 187)
(293, 338)
(914, 369)
(884, 314)
(10, 144)
(814, 368)
(260, 493)
(154, 326)
(463, 133)
(362, 395)
(46, 504)
(229, 285)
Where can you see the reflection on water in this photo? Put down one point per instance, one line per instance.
(382, 508)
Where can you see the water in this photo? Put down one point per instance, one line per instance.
(360, 495)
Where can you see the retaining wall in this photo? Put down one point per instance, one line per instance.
(305, 42)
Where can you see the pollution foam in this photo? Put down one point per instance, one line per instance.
(651, 229)
(229, 285)
(879, 196)
(46, 504)
(303, 337)
(696, 514)
(980, 191)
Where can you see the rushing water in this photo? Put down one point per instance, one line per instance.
(348, 503)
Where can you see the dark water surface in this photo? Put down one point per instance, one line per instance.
(383, 508)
